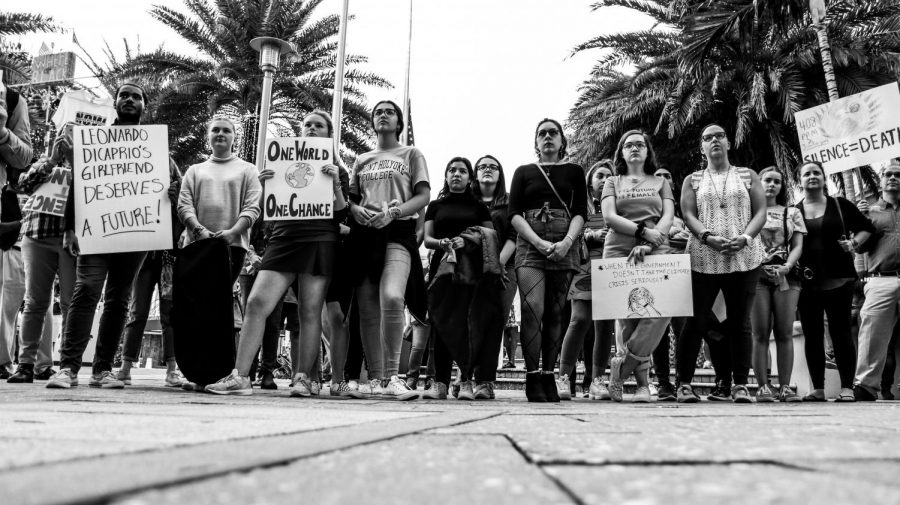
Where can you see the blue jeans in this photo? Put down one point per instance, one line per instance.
(118, 270)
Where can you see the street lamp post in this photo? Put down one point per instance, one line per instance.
(270, 49)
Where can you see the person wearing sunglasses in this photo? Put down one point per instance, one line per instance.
(724, 207)
(547, 205)
(639, 208)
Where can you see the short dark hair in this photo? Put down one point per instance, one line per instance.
(562, 150)
(782, 197)
(397, 109)
(144, 95)
(650, 165)
(465, 161)
(501, 197)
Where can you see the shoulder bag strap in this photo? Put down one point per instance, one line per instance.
(837, 203)
(552, 187)
(787, 240)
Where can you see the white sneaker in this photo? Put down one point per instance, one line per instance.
(234, 384)
(641, 395)
(466, 390)
(654, 391)
(302, 386)
(598, 390)
(105, 380)
(398, 388)
(562, 387)
(173, 379)
(372, 389)
(65, 378)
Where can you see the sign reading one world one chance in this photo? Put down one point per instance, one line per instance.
(860, 129)
(658, 287)
(299, 190)
(121, 179)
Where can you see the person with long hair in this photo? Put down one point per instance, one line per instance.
(778, 290)
(490, 189)
(639, 208)
(388, 188)
(459, 333)
(301, 252)
(724, 207)
(547, 205)
(835, 229)
(597, 353)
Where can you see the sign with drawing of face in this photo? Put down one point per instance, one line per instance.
(658, 287)
(299, 190)
(857, 130)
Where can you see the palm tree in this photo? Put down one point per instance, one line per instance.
(747, 64)
(224, 75)
(15, 67)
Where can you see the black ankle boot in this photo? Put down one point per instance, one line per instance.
(267, 380)
(534, 391)
(548, 384)
(24, 374)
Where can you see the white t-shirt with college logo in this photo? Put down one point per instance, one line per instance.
(382, 176)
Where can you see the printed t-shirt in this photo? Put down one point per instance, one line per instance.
(772, 234)
(392, 174)
(81, 108)
(638, 202)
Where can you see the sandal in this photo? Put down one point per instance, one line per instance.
(846, 396)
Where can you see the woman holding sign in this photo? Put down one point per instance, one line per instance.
(835, 228)
(301, 252)
(388, 188)
(547, 205)
(639, 208)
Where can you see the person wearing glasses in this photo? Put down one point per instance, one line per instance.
(724, 208)
(388, 188)
(597, 344)
(835, 229)
(639, 208)
(490, 189)
(879, 313)
(547, 205)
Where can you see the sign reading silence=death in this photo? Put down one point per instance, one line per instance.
(299, 190)
(121, 179)
(861, 129)
(658, 287)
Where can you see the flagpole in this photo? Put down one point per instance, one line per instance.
(338, 102)
(403, 139)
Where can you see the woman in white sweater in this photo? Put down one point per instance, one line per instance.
(220, 196)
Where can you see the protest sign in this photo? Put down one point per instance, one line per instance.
(658, 287)
(51, 196)
(860, 129)
(121, 179)
(299, 190)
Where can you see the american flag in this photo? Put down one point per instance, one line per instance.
(44, 49)
(410, 140)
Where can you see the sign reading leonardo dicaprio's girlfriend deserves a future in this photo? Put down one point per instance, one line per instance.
(121, 179)
(299, 189)
(658, 287)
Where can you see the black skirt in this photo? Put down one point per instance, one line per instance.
(289, 256)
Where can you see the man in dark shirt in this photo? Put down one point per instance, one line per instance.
(881, 309)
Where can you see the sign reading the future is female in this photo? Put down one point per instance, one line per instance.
(860, 129)
(658, 287)
(299, 190)
(121, 179)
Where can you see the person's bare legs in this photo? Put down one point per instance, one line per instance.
(267, 291)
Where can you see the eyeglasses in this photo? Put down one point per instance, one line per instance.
(888, 175)
(634, 145)
(492, 168)
(385, 112)
(551, 132)
(710, 136)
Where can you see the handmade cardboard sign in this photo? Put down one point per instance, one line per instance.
(856, 130)
(51, 196)
(121, 179)
(299, 190)
(658, 287)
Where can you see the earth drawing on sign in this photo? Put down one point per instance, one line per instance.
(299, 175)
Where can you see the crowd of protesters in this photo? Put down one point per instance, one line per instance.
(357, 279)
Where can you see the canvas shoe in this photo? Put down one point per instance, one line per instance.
(372, 389)
(302, 386)
(233, 384)
(434, 390)
(65, 378)
(106, 380)
(124, 376)
(598, 390)
(563, 387)
(397, 388)
(345, 390)
(466, 391)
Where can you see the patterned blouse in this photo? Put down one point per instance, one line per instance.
(723, 206)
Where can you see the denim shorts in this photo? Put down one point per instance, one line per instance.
(552, 226)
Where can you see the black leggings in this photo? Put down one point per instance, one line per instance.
(543, 295)
(835, 304)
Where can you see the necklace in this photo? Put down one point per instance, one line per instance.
(719, 198)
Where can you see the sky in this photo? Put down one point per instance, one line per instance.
(483, 72)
